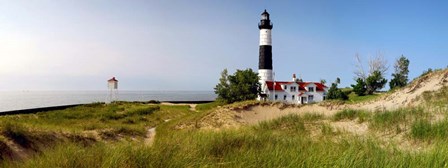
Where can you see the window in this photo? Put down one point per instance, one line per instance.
(285, 87)
(293, 89)
(284, 97)
(310, 89)
(310, 98)
(276, 97)
(293, 97)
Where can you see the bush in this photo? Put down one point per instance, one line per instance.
(154, 102)
(335, 93)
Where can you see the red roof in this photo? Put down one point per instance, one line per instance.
(319, 86)
(112, 80)
(278, 86)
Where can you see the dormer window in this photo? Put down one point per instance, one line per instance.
(293, 88)
(310, 89)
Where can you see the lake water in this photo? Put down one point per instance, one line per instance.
(17, 100)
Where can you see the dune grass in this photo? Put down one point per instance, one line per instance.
(351, 114)
(354, 98)
(284, 142)
(124, 118)
(425, 130)
(288, 141)
(208, 106)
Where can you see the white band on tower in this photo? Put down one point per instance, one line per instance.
(265, 37)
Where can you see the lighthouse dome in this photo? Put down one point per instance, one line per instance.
(265, 22)
(265, 15)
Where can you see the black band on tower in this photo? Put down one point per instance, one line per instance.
(265, 61)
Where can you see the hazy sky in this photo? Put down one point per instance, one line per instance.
(184, 45)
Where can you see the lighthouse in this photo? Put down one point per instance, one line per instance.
(294, 91)
(265, 57)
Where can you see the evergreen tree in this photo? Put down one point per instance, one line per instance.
(400, 77)
(375, 81)
(335, 93)
(360, 87)
(222, 89)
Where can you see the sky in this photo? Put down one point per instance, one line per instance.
(184, 45)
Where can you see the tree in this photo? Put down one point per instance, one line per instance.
(323, 81)
(400, 77)
(377, 63)
(335, 93)
(360, 87)
(374, 82)
(242, 85)
(375, 79)
(222, 89)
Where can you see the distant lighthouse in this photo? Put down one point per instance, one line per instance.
(265, 57)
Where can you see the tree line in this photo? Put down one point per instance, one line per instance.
(373, 80)
(244, 85)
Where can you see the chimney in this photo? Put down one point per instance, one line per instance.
(294, 79)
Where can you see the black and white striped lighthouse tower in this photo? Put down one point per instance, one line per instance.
(265, 59)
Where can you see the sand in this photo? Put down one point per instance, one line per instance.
(406, 97)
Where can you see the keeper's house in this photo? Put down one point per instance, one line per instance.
(295, 91)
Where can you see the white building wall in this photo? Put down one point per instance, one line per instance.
(265, 75)
(318, 96)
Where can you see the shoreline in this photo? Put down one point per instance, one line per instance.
(62, 107)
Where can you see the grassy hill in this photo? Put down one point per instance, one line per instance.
(216, 135)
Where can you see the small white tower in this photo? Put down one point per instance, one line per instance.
(112, 85)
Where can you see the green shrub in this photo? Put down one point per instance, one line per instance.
(153, 102)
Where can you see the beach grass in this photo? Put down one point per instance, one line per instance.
(283, 142)
(308, 140)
